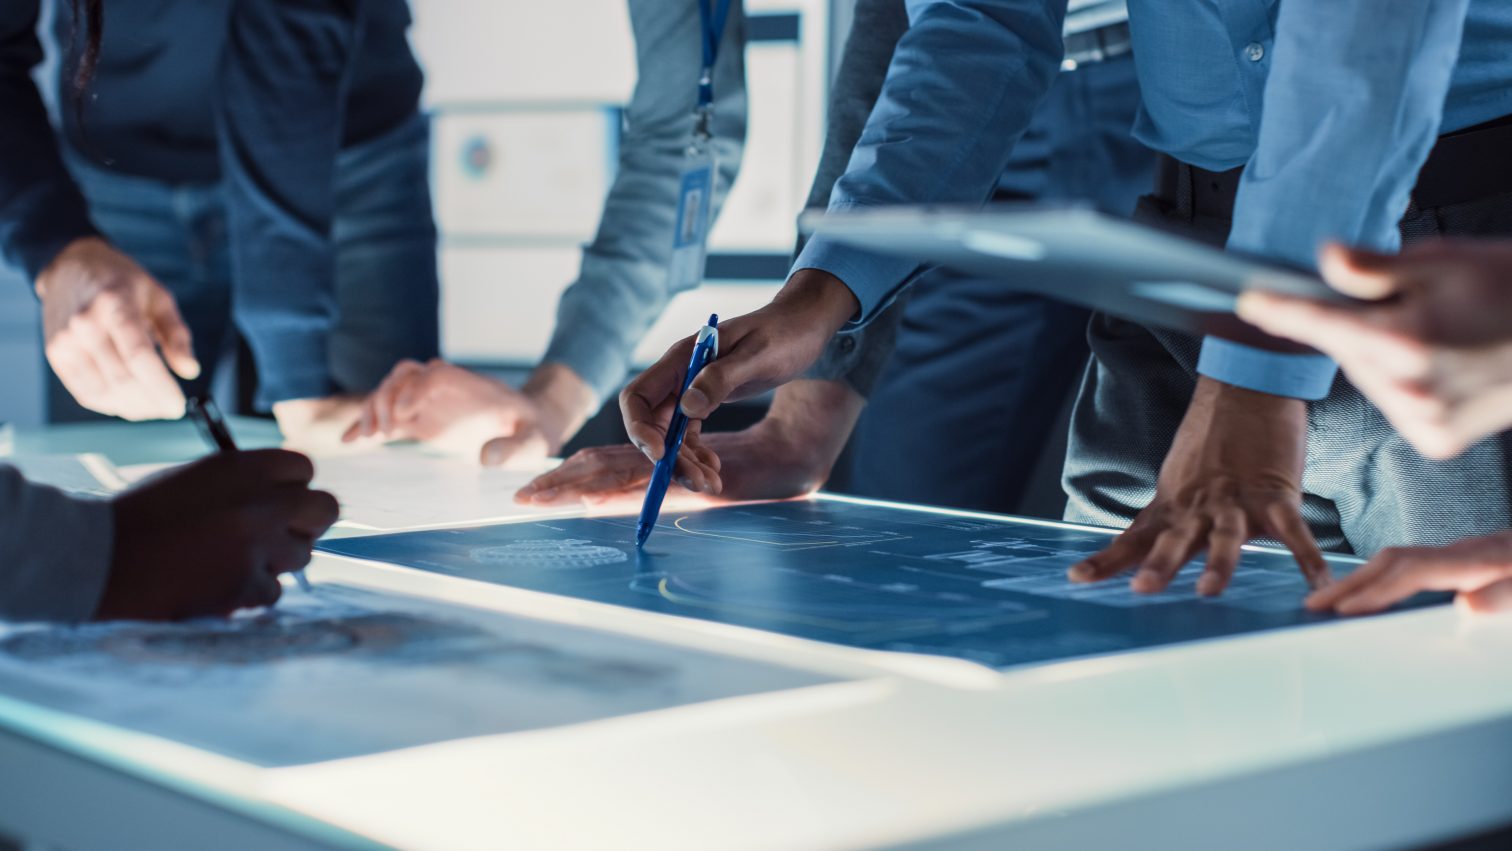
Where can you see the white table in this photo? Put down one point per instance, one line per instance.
(1387, 732)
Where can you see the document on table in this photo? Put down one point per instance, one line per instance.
(399, 488)
(343, 671)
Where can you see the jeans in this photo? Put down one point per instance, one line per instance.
(384, 237)
(964, 410)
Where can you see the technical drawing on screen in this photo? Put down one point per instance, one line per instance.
(990, 590)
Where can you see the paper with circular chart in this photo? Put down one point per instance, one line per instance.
(882, 577)
(343, 671)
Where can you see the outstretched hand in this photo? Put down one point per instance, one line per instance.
(1233, 473)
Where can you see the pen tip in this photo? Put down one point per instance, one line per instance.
(713, 320)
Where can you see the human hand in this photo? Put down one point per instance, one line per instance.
(104, 320)
(316, 424)
(212, 537)
(448, 406)
(1434, 354)
(1480, 569)
(757, 352)
(789, 453)
(1233, 473)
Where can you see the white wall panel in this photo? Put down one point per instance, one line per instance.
(539, 173)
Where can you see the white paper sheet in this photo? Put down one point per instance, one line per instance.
(342, 671)
(400, 488)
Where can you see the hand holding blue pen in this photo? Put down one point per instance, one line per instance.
(705, 349)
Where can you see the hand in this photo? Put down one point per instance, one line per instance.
(757, 352)
(103, 321)
(787, 454)
(316, 425)
(1480, 569)
(1436, 357)
(1233, 473)
(446, 405)
(212, 537)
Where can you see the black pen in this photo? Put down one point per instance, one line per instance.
(212, 427)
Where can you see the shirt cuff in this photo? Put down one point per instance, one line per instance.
(874, 279)
(1297, 376)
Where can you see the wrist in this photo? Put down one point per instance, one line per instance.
(562, 399)
(819, 295)
(65, 256)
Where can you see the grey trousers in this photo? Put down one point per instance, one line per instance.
(1365, 488)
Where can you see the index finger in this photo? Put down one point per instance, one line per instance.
(1288, 526)
(148, 371)
(647, 403)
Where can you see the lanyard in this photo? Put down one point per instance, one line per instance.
(711, 15)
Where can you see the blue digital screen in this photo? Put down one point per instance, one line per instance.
(993, 591)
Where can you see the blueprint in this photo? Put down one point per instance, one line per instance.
(342, 671)
(864, 575)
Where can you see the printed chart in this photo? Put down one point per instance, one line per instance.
(864, 575)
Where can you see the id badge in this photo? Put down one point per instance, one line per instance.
(690, 239)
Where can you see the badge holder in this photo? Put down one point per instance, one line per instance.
(690, 240)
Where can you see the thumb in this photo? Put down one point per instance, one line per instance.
(172, 335)
(715, 383)
(525, 446)
(1363, 274)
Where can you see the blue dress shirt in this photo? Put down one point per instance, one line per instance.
(1353, 93)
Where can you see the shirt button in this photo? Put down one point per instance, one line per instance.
(847, 344)
(1255, 51)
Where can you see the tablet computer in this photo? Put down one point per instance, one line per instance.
(1083, 256)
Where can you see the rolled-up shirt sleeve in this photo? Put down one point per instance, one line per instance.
(41, 210)
(1353, 102)
(55, 551)
(964, 82)
(624, 284)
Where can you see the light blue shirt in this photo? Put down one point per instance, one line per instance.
(1353, 93)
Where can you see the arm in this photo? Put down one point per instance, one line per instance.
(279, 118)
(623, 286)
(41, 210)
(963, 84)
(1314, 175)
(103, 316)
(961, 88)
(55, 551)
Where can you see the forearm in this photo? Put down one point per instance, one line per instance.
(964, 82)
(55, 551)
(41, 210)
(623, 285)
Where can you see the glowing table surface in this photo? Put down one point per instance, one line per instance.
(1382, 732)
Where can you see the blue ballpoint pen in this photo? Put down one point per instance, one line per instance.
(705, 349)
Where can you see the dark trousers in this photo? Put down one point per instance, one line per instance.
(1365, 488)
(964, 410)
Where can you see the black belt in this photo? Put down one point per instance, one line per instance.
(1466, 165)
(1093, 46)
